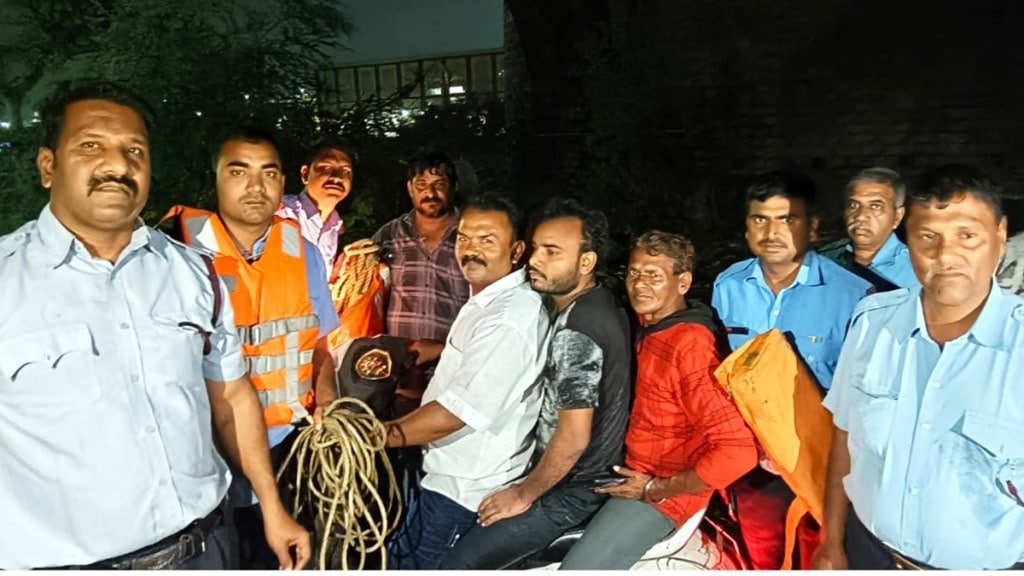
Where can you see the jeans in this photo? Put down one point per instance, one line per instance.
(504, 543)
(433, 524)
(618, 536)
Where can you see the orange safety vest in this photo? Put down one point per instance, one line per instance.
(780, 402)
(273, 311)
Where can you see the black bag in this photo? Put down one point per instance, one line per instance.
(371, 370)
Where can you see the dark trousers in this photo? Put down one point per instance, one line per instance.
(433, 524)
(863, 550)
(505, 543)
(253, 551)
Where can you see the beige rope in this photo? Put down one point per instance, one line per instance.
(337, 476)
(356, 272)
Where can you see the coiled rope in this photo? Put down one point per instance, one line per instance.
(356, 274)
(337, 475)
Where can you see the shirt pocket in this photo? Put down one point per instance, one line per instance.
(872, 425)
(51, 371)
(992, 453)
(821, 353)
(182, 342)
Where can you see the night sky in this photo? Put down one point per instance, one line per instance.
(392, 29)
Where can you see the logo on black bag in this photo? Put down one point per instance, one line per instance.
(374, 364)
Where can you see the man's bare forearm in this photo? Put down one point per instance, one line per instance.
(324, 374)
(428, 423)
(562, 453)
(837, 505)
(686, 482)
(238, 418)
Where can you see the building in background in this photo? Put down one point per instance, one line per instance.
(424, 53)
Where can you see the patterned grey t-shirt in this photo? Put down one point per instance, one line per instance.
(1010, 274)
(589, 365)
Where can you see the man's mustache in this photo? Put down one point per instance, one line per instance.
(767, 243)
(532, 270)
(125, 181)
(466, 260)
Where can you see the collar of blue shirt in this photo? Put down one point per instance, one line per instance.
(887, 253)
(809, 274)
(60, 244)
(485, 296)
(988, 330)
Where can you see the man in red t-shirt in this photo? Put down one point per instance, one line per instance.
(685, 437)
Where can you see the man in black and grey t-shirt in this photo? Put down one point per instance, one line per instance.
(585, 409)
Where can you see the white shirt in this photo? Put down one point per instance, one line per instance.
(489, 376)
(106, 440)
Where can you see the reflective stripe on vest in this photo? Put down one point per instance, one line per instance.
(260, 333)
(288, 395)
(290, 360)
(291, 240)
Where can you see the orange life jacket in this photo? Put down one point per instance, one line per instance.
(778, 398)
(273, 312)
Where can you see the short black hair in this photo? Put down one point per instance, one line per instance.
(494, 202)
(787, 184)
(432, 161)
(950, 182)
(248, 132)
(330, 143)
(68, 92)
(596, 237)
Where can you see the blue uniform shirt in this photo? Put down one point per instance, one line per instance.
(105, 420)
(936, 438)
(813, 312)
(893, 263)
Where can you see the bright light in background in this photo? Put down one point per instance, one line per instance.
(456, 90)
(199, 113)
(5, 125)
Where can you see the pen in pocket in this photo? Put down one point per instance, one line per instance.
(1014, 493)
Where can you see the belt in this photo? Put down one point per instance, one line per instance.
(167, 554)
(904, 563)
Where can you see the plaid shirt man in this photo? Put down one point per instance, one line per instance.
(428, 288)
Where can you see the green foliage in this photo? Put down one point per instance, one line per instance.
(207, 65)
(21, 196)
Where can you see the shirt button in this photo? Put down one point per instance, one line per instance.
(936, 384)
(125, 326)
(810, 358)
(163, 482)
(150, 429)
(914, 490)
(927, 426)
(775, 312)
(134, 378)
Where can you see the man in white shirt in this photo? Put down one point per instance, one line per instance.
(479, 410)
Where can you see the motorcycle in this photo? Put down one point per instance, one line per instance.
(372, 370)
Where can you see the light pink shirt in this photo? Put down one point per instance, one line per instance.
(323, 234)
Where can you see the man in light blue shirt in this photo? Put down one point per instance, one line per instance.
(807, 297)
(119, 363)
(874, 209)
(928, 414)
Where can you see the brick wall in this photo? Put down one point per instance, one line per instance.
(664, 109)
